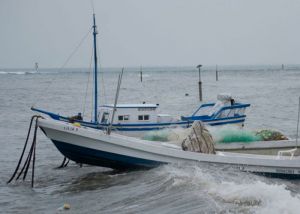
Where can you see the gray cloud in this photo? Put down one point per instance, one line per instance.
(150, 33)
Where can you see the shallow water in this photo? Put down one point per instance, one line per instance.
(184, 188)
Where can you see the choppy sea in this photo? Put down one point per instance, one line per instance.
(272, 92)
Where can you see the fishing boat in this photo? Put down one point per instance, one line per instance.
(136, 119)
(96, 147)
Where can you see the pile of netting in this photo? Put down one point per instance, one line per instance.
(198, 139)
(235, 135)
(231, 134)
(167, 135)
(225, 134)
(268, 135)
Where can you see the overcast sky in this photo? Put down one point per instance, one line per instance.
(150, 33)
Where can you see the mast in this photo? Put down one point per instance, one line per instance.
(95, 72)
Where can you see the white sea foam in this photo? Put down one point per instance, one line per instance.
(250, 193)
(265, 198)
(18, 72)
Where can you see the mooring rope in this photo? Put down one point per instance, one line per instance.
(31, 153)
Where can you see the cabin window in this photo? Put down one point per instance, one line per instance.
(123, 117)
(105, 117)
(143, 117)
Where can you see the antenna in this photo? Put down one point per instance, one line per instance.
(92, 4)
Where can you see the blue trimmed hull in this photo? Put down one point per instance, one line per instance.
(85, 155)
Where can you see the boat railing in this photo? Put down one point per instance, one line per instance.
(290, 153)
(238, 109)
(203, 109)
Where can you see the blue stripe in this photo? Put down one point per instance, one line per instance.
(228, 122)
(150, 124)
(214, 120)
(106, 106)
(142, 129)
(188, 125)
(85, 155)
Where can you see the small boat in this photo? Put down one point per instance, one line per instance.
(136, 119)
(95, 147)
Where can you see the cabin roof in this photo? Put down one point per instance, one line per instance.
(131, 106)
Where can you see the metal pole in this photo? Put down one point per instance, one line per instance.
(298, 123)
(141, 74)
(217, 75)
(36, 66)
(95, 72)
(200, 83)
(200, 90)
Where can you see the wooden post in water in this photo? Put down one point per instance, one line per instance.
(217, 75)
(200, 90)
(141, 74)
(200, 83)
(36, 66)
(298, 123)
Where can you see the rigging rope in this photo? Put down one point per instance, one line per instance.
(101, 73)
(87, 86)
(65, 63)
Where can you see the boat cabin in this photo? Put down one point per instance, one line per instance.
(132, 114)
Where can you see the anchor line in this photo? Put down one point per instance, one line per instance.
(31, 154)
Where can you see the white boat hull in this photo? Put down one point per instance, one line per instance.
(90, 146)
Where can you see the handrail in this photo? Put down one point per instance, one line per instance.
(235, 106)
(201, 106)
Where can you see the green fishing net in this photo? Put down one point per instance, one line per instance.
(220, 135)
(161, 135)
(237, 135)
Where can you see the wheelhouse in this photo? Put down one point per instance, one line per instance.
(129, 113)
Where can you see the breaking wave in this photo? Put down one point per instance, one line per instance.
(233, 191)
